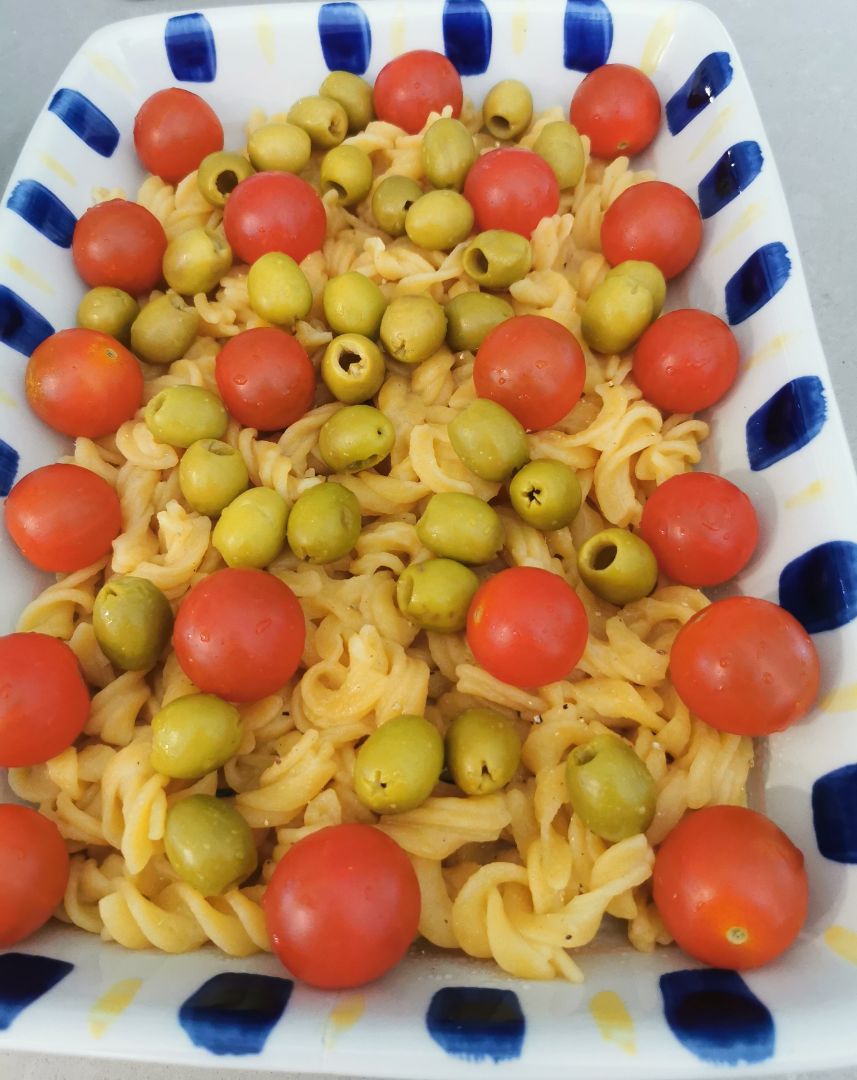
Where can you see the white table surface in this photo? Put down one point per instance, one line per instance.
(800, 58)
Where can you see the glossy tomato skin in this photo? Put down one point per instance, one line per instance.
(653, 222)
(731, 887)
(121, 244)
(686, 361)
(527, 627)
(239, 634)
(273, 211)
(83, 382)
(173, 131)
(34, 868)
(413, 85)
(511, 189)
(618, 107)
(533, 367)
(342, 907)
(63, 517)
(265, 378)
(702, 528)
(44, 702)
(745, 666)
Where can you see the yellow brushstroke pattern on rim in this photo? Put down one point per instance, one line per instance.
(26, 272)
(714, 131)
(265, 37)
(842, 941)
(111, 1005)
(7, 399)
(57, 168)
(842, 699)
(806, 495)
(397, 31)
(613, 1020)
(657, 41)
(775, 345)
(111, 71)
(343, 1015)
(519, 28)
(753, 213)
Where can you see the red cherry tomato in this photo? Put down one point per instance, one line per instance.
(239, 634)
(702, 528)
(83, 382)
(413, 85)
(618, 107)
(527, 627)
(745, 666)
(63, 517)
(511, 189)
(121, 244)
(173, 131)
(533, 367)
(34, 868)
(342, 906)
(44, 702)
(731, 887)
(265, 378)
(655, 222)
(274, 211)
(686, 361)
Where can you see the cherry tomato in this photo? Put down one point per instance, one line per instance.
(511, 189)
(239, 634)
(527, 627)
(63, 517)
(121, 244)
(533, 367)
(654, 222)
(83, 382)
(702, 528)
(274, 211)
(618, 107)
(265, 378)
(745, 666)
(44, 702)
(413, 85)
(342, 906)
(173, 131)
(34, 868)
(731, 887)
(686, 361)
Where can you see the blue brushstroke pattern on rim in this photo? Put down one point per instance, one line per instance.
(788, 420)
(716, 1016)
(467, 35)
(235, 1012)
(706, 82)
(24, 979)
(834, 814)
(757, 282)
(190, 48)
(86, 120)
(22, 328)
(475, 1023)
(9, 460)
(587, 34)
(819, 587)
(39, 207)
(346, 37)
(733, 173)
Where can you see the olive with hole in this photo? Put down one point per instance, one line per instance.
(353, 94)
(180, 415)
(398, 766)
(618, 566)
(347, 170)
(436, 594)
(463, 527)
(447, 152)
(483, 751)
(616, 314)
(322, 118)
(560, 145)
(413, 328)
(211, 474)
(646, 274)
(251, 530)
(278, 289)
(164, 330)
(391, 201)
(194, 735)
(133, 621)
(489, 440)
(546, 494)
(610, 789)
(279, 147)
(353, 304)
(353, 368)
(507, 109)
(439, 220)
(496, 259)
(220, 173)
(196, 260)
(112, 311)
(471, 316)
(324, 523)
(357, 437)
(209, 844)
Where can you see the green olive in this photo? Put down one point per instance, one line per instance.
(322, 118)
(646, 274)
(180, 415)
(616, 314)
(483, 751)
(164, 330)
(353, 304)
(439, 220)
(279, 148)
(413, 328)
(278, 289)
(109, 310)
(324, 523)
(436, 594)
(618, 566)
(347, 170)
(357, 437)
(391, 201)
(398, 766)
(497, 259)
(489, 440)
(462, 527)
(353, 368)
(220, 173)
(211, 475)
(252, 528)
(471, 316)
(560, 145)
(546, 494)
(448, 151)
(132, 620)
(610, 788)
(194, 735)
(353, 94)
(195, 261)
(507, 109)
(209, 844)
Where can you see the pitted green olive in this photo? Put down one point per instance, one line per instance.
(132, 620)
(396, 769)
(482, 751)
